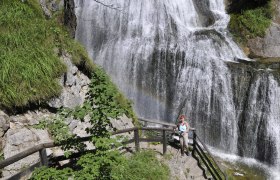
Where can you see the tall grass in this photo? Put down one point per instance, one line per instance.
(29, 66)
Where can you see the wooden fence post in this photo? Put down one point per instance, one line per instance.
(145, 124)
(164, 141)
(194, 141)
(136, 138)
(44, 157)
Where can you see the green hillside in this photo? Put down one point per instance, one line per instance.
(29, 54)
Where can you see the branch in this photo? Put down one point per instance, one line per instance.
(108, 5)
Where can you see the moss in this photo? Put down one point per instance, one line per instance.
(29, 66)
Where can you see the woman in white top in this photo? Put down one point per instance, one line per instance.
(183, 128)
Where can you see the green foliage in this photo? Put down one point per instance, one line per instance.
(99, 165)
(251, 21)
(104, 102)
(57, 128)
(142, 165)
(109, 165)
(51, 173)
(61, 134)
(29, 65)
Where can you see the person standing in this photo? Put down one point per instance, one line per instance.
(183, 128)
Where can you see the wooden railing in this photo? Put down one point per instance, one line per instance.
(44, 160)
(198, 147)
(212, 166)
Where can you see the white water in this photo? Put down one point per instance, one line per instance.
(165, 53)
(272, 172)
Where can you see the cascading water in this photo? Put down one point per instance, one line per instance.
(162, 53)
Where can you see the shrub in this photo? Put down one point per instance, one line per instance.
(251, 22)
(142, 165)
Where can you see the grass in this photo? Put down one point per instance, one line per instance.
(142, 165)
(29, 64)
(251, 20)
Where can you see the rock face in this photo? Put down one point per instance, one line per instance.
(70, 20)
(75, 87)
(269, 46)
(20, 136)
(4, 126)
(4, 123)
(50, 6)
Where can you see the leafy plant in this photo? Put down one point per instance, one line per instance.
(51, 173)
(104, 102)
(251, 20)
(61, 134)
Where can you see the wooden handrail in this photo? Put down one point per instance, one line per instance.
(205, 158)
(216, 164)
(207, 162)
(161, 123)
(25, 153)
(156, 122)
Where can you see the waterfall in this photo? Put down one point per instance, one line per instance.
(260, 127)
(167, 53)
